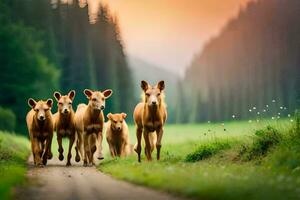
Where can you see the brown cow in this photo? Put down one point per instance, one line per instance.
(150, 116)
(40, 127)
(117, 135)
(65, 124)
(89, 121)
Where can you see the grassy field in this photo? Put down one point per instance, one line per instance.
(220, 161)
(14, 151)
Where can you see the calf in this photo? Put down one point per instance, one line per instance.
(65, 124)
(40, 127)
(89, 121)
(150, 116)
(117, 135)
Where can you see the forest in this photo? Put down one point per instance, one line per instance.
(47, 47)
(250, 65)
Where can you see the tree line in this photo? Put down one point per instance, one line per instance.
(46, 48)
(253, 62)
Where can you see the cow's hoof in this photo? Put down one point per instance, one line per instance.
(68, 164)
(50, 155)
(100, 158)
(44, 161)
(77, 158)
(40, 165)
(61, 157)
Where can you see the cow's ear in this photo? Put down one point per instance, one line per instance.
(31, 102)
(144, 85)
(161, 85)
(109, 116)
(71, 94)
(57, 95)
(88, 93)
(107, 93)
(124, 115)
(49, 103)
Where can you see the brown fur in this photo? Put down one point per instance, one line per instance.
(65, 124)
(40, 127)
(117, 135)
(89, 121)
(150, 116)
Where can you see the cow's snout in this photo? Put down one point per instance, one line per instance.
(65, 111)
(102, 107)
(42, 118)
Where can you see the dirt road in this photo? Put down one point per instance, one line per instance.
(56, 181)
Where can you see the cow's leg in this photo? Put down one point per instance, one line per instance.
(42, 147)
(111, 149)
(147, 145)
(159, 134)
(138, 146)
(100, 153)
(93, 148)
(60, 147)
(49, 153)
(86, 149)
(71, 142)
(47, 149)
(123, 148)
(36, 151)
(78, 147)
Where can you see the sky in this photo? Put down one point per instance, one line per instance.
(168, 33)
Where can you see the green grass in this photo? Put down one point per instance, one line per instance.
(207, 150)
(217, 170)
(14, 151)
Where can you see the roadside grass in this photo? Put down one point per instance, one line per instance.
(263, 141)
(207, 150)
(14, 151)
(207, 161)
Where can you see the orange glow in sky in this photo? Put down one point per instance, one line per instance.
(169, 33)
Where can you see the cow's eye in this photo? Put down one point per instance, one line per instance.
(37, 110)
(60, 103)
(70, 103)
(115, 121)
(158, 94)
(94, 99)
(147, 94)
